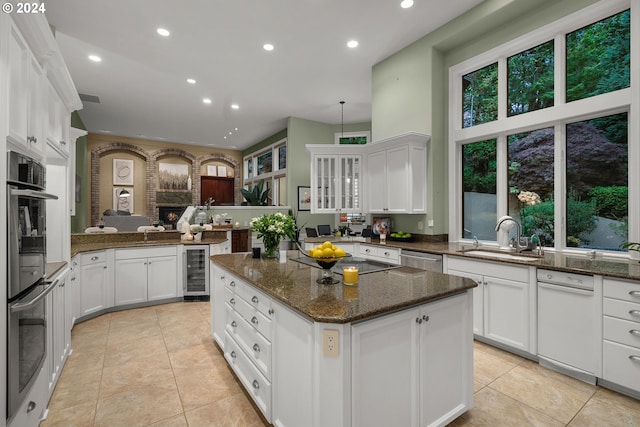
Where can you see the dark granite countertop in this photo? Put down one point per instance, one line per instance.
(294, 284)
(572, 263)
(97, 242)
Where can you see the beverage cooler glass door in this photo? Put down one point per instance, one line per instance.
(196, 270)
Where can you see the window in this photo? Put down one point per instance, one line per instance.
(270, 165)
(545, 155)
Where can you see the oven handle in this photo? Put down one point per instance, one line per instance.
(34, 194)
(22, 306)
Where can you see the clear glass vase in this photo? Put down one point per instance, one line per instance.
(271, 246)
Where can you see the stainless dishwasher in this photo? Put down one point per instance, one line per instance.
(422, 260)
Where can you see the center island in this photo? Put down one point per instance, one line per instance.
(395, 349)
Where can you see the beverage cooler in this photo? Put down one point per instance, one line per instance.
(196, 272)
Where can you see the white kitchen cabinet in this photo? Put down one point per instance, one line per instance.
(58, 334)
(94, 292)
(621, 332)
(430, 348)
(145, 275)
(27, 96)
(221, 248)
(218, 311)
(336, 179)
(58, 123)
(379, 253)
(73, 290)
(396, 175)
(507, 294)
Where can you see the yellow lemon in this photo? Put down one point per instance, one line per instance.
(334, 247)
(311, 251)
(327, 244)
(317, 253)
(327, 252)
(339, 252)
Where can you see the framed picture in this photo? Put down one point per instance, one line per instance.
(304, 198)
(352, 138)
(122, 172)
(122, 202)
(381, 225)
(212, 170)
(173, 176)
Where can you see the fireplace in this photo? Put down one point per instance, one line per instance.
(170, 215)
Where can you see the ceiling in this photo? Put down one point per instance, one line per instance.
(141, 81)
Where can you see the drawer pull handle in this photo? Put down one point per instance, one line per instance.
(425, 318)
(635, 332)
(73, 279)
(31, 406)
(634, 293)
(254, 320)
(94, 258)
(232, 284)
(634, 358)
(386, 254)
(222, 277)
(418, 321)
(232, 301)
(635, 313)
(233, 354)
(254, 299)
(255, 384)
(271, 311)
(234, 324)
(256, 348)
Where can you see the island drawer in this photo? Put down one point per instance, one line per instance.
(256, 385)
(621, 309)
(253, 316)
(622, 331)
(94, 258)
(255, 346)
(621, 289)
(255, 298)
(145, 252)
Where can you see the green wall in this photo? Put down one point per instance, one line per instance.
(80, 221)
(410, 88)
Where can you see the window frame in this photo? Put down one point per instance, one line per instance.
(273, 177)
(557, 116)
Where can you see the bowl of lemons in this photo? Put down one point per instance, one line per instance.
(326, 256)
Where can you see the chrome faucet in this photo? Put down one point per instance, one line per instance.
(516, 242)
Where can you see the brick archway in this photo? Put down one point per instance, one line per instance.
(237, 181)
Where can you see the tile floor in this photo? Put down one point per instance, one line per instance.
(157, 366)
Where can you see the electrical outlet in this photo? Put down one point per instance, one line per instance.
(420, 225)
(431, 223)
(331, 343)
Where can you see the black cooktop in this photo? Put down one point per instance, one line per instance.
(364, 265)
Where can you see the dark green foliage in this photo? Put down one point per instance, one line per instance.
(581, 219)
(480, 96)
(530, 79)
(611, 202)
(256, 196)
(479, 167)
(538, 219)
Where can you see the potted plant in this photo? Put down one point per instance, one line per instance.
(272, 228)
(257, 196)
(197, 230)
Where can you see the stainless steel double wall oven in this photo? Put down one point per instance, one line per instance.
(27, 288)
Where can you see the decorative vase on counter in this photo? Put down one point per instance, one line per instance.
(271, 244)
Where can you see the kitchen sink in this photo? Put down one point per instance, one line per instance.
(488, 253)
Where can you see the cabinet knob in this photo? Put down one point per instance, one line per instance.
(634, 358)
(634, 293)
(222, 277)
(255, 384)
(418, 321)
(271, 311)
(232, 284)
(233, 354)
(635, 332)
(104, 267)
(256, 348)
(234, 324)
(31, 406)
(387, 254)
(425, 318)
(254, 299)
(254, 320)
(73, 279)
(232, 301)
(63, 142)
(94, 258)
(635, 313)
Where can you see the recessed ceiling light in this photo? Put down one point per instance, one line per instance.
(236, 129)
(163, 32)
(225, 137)
(268, 46)
(95, 58)
(230, 133)
(191, 81)
(352, 43)
(406, 4)
(235, 106)
(206, 100)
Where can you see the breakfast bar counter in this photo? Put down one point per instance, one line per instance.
(395, 349)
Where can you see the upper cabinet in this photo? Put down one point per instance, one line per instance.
(58, 123)
(388, 176)
(27, 95)
(336, 179)
(397, 175)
